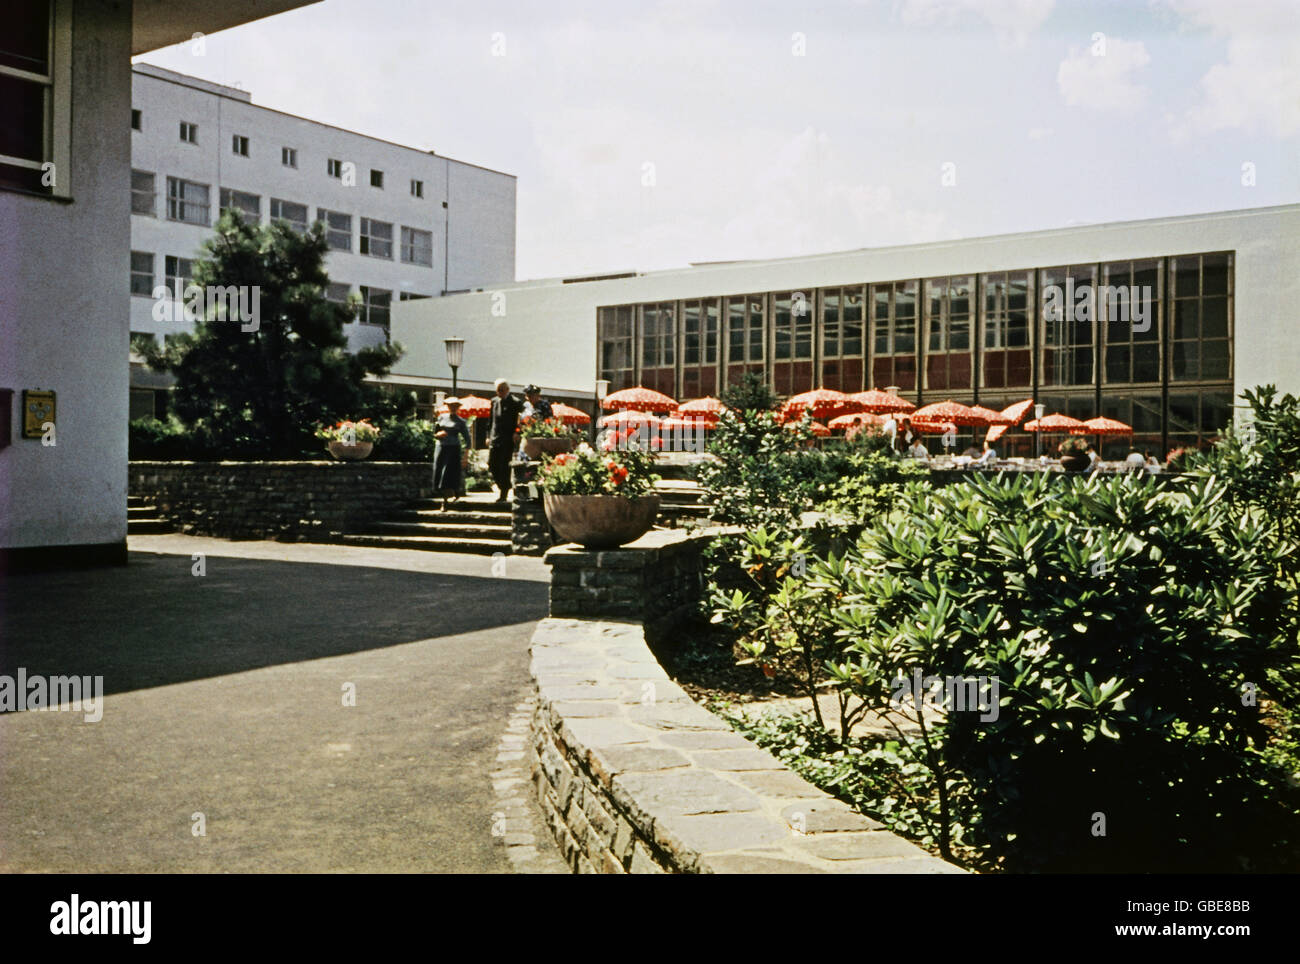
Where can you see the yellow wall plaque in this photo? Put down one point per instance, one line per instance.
(38, 408)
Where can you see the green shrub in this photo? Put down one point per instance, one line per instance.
(406, 441)
(1123, 624)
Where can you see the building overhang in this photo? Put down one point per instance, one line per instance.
(161, 23)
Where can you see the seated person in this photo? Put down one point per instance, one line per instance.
(989, 454)
(973, 452)
(918, 450)
(1135, 459)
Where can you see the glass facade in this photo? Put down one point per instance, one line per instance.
(1147, 341)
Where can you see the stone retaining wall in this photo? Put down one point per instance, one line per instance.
(633, 777)
(656, 580)
(289, 501)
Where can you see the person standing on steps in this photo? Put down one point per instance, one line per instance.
(449, 459)
(504, 420)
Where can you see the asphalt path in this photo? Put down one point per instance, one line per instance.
(227, 742)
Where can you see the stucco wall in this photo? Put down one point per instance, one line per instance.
(63, 309)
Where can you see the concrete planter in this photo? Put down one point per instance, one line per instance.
(350, 453)
(535, 448)
(600, 521)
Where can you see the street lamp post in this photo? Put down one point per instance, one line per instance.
(602, 389)
(455, 355)
(1038, 436)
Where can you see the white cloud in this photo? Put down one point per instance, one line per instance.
(1104, 80)
(1039, 133)
(1258, 87)
(1013, 20)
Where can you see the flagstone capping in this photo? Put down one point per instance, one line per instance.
(632, 776)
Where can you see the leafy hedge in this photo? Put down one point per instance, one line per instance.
(1143, 640)
(168, 439)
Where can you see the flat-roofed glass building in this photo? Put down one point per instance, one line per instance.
(1156, 323)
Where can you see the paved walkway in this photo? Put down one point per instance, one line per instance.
(225, 699)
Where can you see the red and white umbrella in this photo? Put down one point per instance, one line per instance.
(817, 428)
(881, 402)
(1055, 422)
(689, 423)
(708, 407)
(1102, 426)
(1014, 414)
(627, 418)
(995, 432)
(928, 426)
(472, 406)
(639, 399)
(992, 417)
(859, 418)
(949, 411)
(569, 415)
(819, 403)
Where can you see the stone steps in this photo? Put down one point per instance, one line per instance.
(142, 517)
(484, 547)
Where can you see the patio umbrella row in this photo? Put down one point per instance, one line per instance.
(841, 410)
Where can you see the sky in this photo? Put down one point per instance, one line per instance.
(653, 135)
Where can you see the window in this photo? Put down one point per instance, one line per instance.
(143, 195)
(417, 246)
(1130, 319)
(376, 178)
(615, 338)
(1006, 357)
(136, 120)
(376, 238)
(375, 306)
(35, 88)
(249, 205)
(792, 324)
(658, 331)
(843, 319)
(239, 145)
(179, 274)
(745, 317)
(289, 156)
(189, 132)
(894, 311)
(187, 201)
(949, 306)
(417, 188)
(700, 340)
(334, 167)
(295, 215)
(792, 339)
(1069, 310)
(1201, 318)
(142, 273)
(338, 229)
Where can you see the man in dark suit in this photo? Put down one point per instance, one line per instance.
(506, 409)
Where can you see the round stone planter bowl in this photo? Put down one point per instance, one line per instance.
(1076, 462)
(535, 448)
(350, 453)
(600, 521)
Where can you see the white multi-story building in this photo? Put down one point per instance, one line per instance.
(402, 223)
(1213, 304)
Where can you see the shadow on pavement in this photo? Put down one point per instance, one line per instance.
(153, 623)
